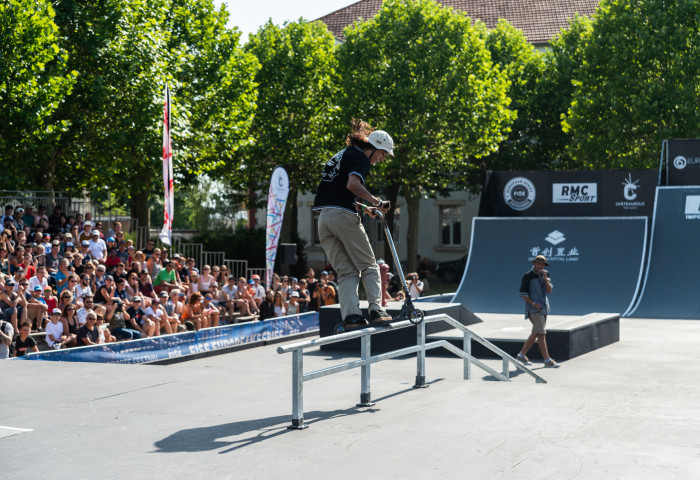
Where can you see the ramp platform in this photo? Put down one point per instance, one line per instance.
(671, 281)
(330, 316)
(568, 336)
(596, 263)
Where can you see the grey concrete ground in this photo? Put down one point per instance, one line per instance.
(628, 410)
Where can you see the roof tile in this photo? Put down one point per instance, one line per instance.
(539, 20)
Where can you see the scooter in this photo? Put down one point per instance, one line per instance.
(408, 310)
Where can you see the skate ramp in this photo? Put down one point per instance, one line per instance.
(671, 282)
(596, 263)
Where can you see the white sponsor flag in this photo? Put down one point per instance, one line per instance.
(168, 185)
(276, 201)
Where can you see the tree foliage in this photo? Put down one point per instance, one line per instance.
(637, 84)
(296, 93)
(35, 81)
(422, 72)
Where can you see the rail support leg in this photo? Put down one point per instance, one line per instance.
(297, 391)
(420, 358)
(365, 395)
(467, 346)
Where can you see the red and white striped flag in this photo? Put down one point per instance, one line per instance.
(166, 234)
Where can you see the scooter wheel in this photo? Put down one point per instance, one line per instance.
(340, 328)
(416, 316)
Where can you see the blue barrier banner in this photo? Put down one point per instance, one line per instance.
(186, 343)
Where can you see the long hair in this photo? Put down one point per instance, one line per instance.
(359, 134)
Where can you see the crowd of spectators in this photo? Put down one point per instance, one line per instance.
(64, 276)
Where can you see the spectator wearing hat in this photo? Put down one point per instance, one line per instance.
(85, 251)
(535, 288)
(139, 320)
(46, 242)
(211, 310)
(97, 247)
(50, 298)
(13, 304)
(7, 333)
(157, 314)
(121, 293)
(100, 278)
(86, 234)
(55, 336)
(145, 286)
(168, 306)
(37, 309)
(259, 294)
(293, 303)
(17, 218)
(105, 294)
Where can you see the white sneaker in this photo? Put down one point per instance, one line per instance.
(551, 364)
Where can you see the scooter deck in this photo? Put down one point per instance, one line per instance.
(342, 328)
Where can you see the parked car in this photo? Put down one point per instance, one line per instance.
(451, 271)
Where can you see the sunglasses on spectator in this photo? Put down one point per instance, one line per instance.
(70, 309)
(91, 318)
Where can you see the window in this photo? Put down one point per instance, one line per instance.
(451, 225)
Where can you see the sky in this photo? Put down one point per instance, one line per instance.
(249, 15)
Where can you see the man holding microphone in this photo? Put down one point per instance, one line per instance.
(535, 288)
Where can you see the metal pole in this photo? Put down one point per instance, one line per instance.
(468, 361)
(297, 390)
(365, 351)
(506, 370)
(420, 358)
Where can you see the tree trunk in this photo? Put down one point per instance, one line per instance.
(412, 204)
(139, 209)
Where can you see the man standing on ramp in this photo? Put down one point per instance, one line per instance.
(340, 229)
(535, 288)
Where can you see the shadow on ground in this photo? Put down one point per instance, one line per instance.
(251, 431)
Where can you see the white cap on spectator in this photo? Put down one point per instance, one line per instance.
(56, 310)
(87, 223)
(95, 233)
(295, 294)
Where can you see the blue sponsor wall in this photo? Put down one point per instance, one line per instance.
(181, 344)
(596, 263)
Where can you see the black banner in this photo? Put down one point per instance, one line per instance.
(683, 162)
(598, 193)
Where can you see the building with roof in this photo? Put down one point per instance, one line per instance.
(539, 20)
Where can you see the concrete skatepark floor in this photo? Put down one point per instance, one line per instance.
(625, 411)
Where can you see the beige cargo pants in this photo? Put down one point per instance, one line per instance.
(345, 242)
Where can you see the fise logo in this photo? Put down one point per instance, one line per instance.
(575, 193)
(692, 207)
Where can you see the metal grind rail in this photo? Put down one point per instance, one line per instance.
(367, 359)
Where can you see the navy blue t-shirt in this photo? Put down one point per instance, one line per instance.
(332, 192)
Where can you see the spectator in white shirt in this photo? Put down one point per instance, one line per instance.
(97, 247)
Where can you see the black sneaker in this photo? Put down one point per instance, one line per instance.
(379, 315)
(355, 321)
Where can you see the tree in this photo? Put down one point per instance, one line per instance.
(422, 72)
(296, 109)
(638, 83)
(106, 132)
(524, 67)
(35, 80)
